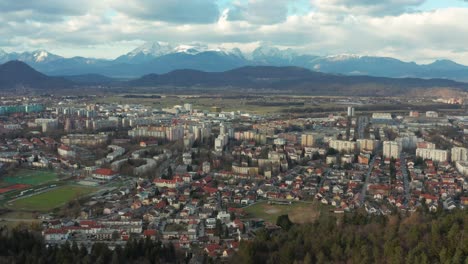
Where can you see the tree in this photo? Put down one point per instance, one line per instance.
(419, 161)
(315, 156)
(218, 228)
(347, 166)
(75, 250)
(307, 259)
(115, 235)
(365, 239)
(332, 152)
(169, 172)
(284, 222)
(115, 258)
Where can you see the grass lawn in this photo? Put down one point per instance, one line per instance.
(31, 177)
(51, 199)
(298, 212)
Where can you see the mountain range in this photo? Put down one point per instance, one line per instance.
(159, 58)
(17, 74)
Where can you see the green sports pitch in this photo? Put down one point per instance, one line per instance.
(31, 177)
(49, 200)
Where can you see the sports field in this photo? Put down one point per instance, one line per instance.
(298, 212)
(31, 177)
(49, 200)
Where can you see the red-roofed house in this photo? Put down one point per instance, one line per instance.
(174, 183)
(66, 151)
(213, 249)
(55, 234)
(105, 174)
(464, 200)
(150, 233)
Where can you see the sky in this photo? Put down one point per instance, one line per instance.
(410, 30)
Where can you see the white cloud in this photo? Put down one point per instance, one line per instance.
(260, 11)
(175, 11)
(330, 28)
(360, 7)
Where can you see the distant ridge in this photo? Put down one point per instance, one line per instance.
(289, 79)
(15, 74)
(294, 79)
(90, 79)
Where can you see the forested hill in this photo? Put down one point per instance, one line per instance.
(23, 246)
(293, 79)
(352, 238)
(359, 239)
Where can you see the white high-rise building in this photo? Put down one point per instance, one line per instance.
(220, 142)
(222, 129)
(188, 107)
(367, 144)
(433, 154)
(196, 132)
(459, 154)
(307, 140)
(343, 145)
(174, 133)
(350, 111)
(391, 149)
(462, 167)
(408, 141)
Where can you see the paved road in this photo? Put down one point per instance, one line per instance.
(323, 178)
(362, 123)
(405, 179)
(366, 181)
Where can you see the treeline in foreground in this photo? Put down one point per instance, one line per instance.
(357, 238)
(23, 246)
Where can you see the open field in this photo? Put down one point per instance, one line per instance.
(14, 219)
(50, 199)
(30, 177)
(298, 212)
(271, 103)
(202, 103)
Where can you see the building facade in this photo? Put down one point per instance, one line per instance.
(391, 149)
(433, 154)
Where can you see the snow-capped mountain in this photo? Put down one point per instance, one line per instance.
(342, 57)
(268, 55)
(41, 56)
(160, 57)
(52, 64)
(38, 56)
(153, 50)
(267, 52)
(366, 65)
